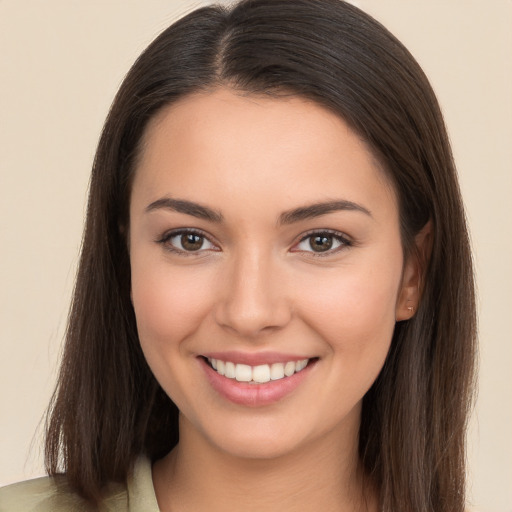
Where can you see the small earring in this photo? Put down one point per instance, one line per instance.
(411, 308)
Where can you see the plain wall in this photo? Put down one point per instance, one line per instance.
(61, 62)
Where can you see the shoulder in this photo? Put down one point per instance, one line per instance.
(53, 494)
(39, 495)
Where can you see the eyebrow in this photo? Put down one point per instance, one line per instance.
(318, 209)
(187, 207)
(288, 217)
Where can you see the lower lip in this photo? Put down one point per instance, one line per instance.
(254, 395)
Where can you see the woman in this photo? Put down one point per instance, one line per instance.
(275, 247)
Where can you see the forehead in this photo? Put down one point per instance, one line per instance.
(223, 144)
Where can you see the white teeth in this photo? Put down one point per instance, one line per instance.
(301, 365)
(261, 373)
(257, 374)
(289, 368)
(243, 373)
(277, 371)
(230, 370)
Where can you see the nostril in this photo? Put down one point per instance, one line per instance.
(251, 318)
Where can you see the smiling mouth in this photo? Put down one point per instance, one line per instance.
(259, 374)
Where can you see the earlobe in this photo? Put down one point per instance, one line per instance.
(414, 273)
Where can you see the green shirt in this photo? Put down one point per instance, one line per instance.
(52, 494)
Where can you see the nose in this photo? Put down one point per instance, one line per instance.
(253, 299)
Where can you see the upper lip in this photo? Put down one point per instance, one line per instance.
(256, 358)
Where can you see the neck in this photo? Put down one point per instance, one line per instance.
(322, 475)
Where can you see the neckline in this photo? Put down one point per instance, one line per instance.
(141, 491)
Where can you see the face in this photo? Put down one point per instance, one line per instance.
(267, 269)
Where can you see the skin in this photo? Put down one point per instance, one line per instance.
(256, 285)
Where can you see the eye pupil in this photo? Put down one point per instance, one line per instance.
(321, 243)
(191, 241)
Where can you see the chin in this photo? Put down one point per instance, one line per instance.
(273, 436)
(258, 447)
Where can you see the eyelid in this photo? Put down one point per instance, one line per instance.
(186, 231)
(345, 240)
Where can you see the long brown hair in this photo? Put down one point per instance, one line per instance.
(108, 408)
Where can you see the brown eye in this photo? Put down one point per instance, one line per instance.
(321, 243)
(191, 241)
(186, 242)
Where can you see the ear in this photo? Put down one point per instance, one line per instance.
(413, 275)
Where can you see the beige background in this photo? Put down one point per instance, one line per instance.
(61, 62)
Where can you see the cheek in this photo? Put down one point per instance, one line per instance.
(169, 304)
(355, 314)
(354, 299)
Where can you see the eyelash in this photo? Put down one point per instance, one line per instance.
(338, 236)
(344, 241)
(164, 240)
